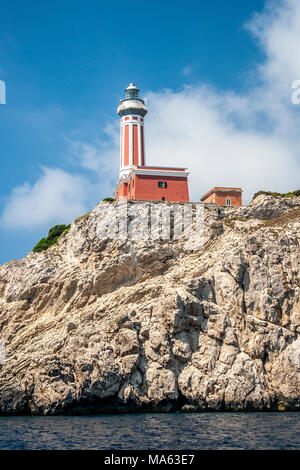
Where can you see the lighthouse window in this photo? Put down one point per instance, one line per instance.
(162, 184)
(228, 202)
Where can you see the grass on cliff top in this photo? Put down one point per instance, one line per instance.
(270, 193)
(82, 217)
(85, 216)
(53, 235)
(108, 199)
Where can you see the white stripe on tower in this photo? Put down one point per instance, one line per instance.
(123, 145)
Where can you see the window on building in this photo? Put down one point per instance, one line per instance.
(163, 198)
(228, 202)
(162, 184)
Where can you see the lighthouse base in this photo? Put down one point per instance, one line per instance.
(154, 184)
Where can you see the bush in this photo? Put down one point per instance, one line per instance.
(108, 199)
(270, 193)
(53, 235)
(42, 245)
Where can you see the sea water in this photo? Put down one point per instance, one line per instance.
(168, 431)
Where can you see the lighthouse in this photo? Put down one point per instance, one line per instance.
(132, 111)
(138, 181)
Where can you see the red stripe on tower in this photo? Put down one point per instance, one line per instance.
(142, 146)
(126, 146)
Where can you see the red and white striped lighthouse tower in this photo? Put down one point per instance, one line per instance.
(136, 180)
(132, 111)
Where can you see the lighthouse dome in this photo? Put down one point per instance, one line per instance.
(132, 92)
(132, 103)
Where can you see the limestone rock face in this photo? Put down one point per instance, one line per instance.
(107, 325)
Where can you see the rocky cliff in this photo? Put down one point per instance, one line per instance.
(100, 325)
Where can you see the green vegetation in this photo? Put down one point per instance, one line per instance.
(83, 217)
(67, 229)
(53, 235)
(270, 193)
(108, 199)
(229, 222)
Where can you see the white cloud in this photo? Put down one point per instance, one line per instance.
(187, 70)
(100, 156)
(56, 197)
(250, 140)
(87, 155)
(100, 160)
(277, 29)
(197, 129)
(59, 196)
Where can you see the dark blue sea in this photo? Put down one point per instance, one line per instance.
(179, 431)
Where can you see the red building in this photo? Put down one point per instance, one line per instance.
(138, 180)
(224, 196)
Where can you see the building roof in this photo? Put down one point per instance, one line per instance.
(153, 171)
(217, 189)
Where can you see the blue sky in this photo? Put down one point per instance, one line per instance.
(66, 64)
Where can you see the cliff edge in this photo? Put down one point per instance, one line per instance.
(97, 325)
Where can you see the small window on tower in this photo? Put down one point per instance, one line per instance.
(162, 184)
(228, 202)
(163, 198)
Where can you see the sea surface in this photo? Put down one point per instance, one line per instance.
(278, 430)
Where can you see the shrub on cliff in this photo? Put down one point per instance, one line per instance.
(270, 193)
(108, 199)
(42, 245)
(53, 235)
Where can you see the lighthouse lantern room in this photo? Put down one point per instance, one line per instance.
(136, 179)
